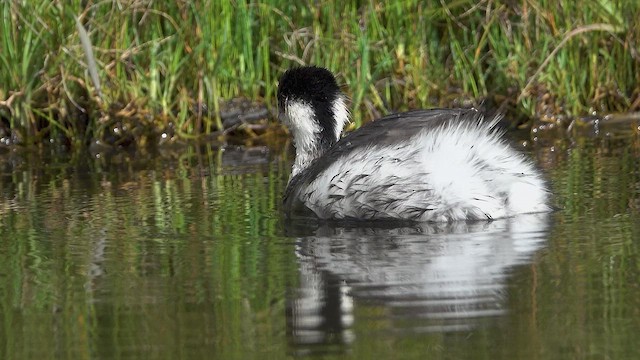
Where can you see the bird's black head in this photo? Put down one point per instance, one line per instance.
(310, 84)
(316, 90)
(313, 107)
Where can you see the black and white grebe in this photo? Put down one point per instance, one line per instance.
(423, 165)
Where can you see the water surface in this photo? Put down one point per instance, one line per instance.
(187, 256)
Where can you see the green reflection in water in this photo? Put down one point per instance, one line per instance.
(166, 259)
(186, 258)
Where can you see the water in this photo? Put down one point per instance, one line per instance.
(186, 256)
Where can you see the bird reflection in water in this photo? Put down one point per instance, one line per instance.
(434, 277)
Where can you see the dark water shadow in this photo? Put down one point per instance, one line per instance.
(405, 279)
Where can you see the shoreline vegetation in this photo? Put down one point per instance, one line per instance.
(135, 73)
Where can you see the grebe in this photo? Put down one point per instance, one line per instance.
(423, 165)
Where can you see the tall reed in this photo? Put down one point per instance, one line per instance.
(175, 64)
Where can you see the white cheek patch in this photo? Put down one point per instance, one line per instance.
(340, 114)
(300, 118)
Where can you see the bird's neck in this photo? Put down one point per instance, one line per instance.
(314, 132)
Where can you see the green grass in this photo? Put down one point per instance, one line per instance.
(172, 65)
